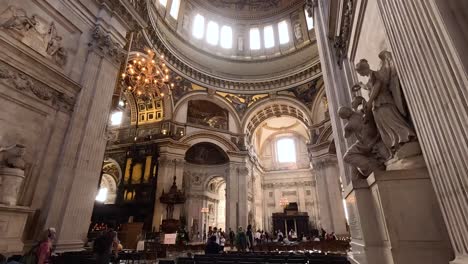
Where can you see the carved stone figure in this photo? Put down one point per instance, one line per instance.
(19, 20)
(298, 31)
(386, 102)
(12, 156)
(12, 167)
(368, 153)
(54, 46)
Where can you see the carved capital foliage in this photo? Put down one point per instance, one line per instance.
(26, 84)
(322, 163)
(342, 40)
(102, 43)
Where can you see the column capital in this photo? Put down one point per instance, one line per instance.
(102, 43)
(325, 161)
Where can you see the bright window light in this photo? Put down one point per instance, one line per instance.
(268, 37)
(309, 20)
(226, 37)
(283, 32)
(212, 33)
(116, 118)
(175, 8)
(102, 195)
(198, 26)
(345, 210)
(163, 2)
(254, 39)
(286, 150)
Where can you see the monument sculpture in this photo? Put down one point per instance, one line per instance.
(386, 102)
(12, 167)
(379, 124)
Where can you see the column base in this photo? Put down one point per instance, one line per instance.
(413, 228)
(462, 259)
(12, 223)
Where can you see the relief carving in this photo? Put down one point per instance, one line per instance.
(34, 32)
(103, 42)
(22, 82)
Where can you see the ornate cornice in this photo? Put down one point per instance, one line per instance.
(24, 83)
(342, 40)
(288, 184)
(323, 162)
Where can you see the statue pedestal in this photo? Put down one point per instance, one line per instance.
(12, 223)
(10, 184)
(411, 223)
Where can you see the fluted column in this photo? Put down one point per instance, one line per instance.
(435, 86)
(71, 201)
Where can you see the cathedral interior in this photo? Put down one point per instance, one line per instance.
(345, 117)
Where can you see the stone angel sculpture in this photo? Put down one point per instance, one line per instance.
(386, 102)
(54, 46)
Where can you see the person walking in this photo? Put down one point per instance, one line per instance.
(104, 245)
(232, 236)
(250, 238)
(241, 240)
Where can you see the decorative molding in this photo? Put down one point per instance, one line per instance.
(342, 40)
(323, 162)
(274, 185)
(102, 42)
(26, 84)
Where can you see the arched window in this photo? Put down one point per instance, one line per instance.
(283, 32)
(226, 37)
(286, 150)
(212, 33)
(268, 37)
(198, 26)
(309, 20)
(175, 8)
(254, 39)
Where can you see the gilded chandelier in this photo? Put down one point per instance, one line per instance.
(146, 76)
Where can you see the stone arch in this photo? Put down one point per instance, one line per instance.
(111, 167)
(202, 95)
(265, 109)
(210, 137)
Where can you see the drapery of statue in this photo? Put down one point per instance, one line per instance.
(12, 166)
(381, 124)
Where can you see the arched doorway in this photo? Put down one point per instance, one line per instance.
(205, 181)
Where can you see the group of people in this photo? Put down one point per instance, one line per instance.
(244, 240)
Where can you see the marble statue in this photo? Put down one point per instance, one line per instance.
(368, 153)
(386, 102)
(12, 157)
(12, 167)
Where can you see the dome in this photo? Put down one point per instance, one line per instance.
(236, 46)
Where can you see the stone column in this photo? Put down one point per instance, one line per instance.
(236, 196)
(329, 191)
(71, 200)
(423, 39)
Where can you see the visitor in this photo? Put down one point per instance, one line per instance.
(232, 236)
(44, 250)
(280, 236)
(103, 246)
(216, 234)
(222, 243)
(316, 239)
(250, 235)
(267, 236)
(241, 240)
(212, 247)
(258, 236)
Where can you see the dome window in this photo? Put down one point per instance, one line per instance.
(226, 37)
(212, 33)
(163, 2)
(268, 37)
(254, 39)
(309, 20)
(198, 29)
(283, 32)
(175, 8)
